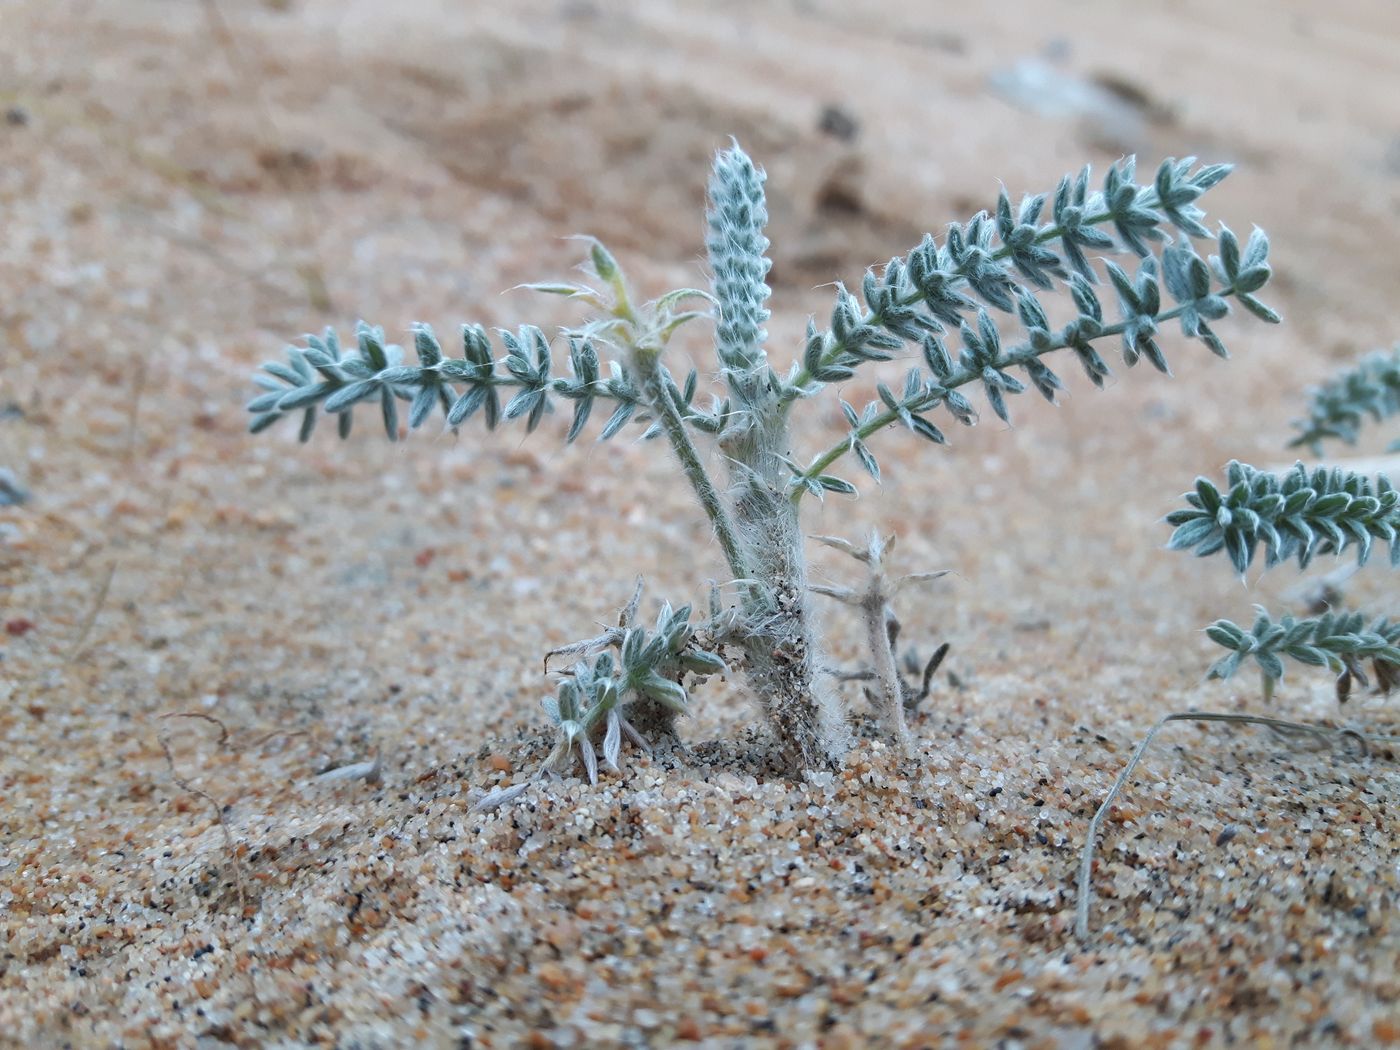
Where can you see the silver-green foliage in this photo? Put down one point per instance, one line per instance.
(985, 276)
(320, 376)
(1340, 407)
(989, 266)
(962, 312)
(1338, 641)
(1297, 515)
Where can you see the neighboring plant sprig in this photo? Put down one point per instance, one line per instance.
(978, 288)
(1340, 407)
(1298, 515)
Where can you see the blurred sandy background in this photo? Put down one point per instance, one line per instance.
(184, 186)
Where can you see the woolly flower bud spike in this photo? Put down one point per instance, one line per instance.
(737, 246)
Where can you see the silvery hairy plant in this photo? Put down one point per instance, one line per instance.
(639, 690)
(1296, 515)
(958, 313)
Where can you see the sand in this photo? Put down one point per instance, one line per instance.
(184, 186)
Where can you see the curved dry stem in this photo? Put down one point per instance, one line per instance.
(1326, 734)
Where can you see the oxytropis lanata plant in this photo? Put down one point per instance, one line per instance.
(1297, 515)
(957, 313)
(1302, 515)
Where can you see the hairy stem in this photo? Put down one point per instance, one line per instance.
(659, 398)
(781, 644)
(782, 648)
